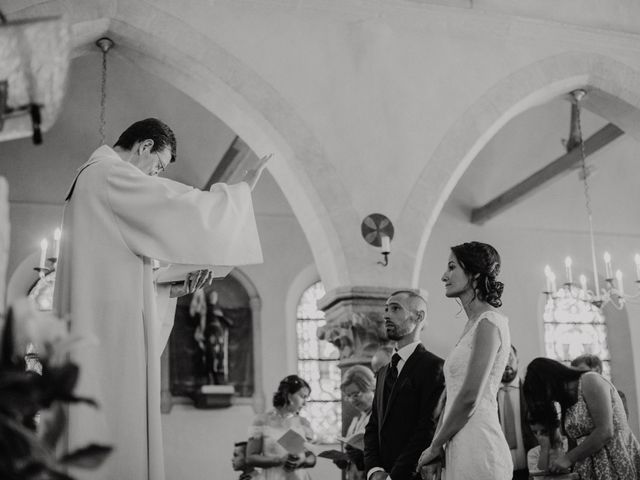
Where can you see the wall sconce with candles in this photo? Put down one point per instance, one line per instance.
(47, 264)
(377, 230)
(34, 62)
(42, 290)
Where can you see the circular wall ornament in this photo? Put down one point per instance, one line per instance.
(375, 226)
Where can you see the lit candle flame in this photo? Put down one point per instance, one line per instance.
(608, 271)
(57, 233)
(43, 252)
(567, 264)
(583, 282)
(620, 285)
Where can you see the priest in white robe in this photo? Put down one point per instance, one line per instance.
(118, 217)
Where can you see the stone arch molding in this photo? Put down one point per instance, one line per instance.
(616, 84)
(171, 49)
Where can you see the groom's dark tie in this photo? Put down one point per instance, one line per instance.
(390, 379)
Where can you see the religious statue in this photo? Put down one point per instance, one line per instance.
(212, 336)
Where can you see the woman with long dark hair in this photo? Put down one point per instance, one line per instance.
(470, 430)
(593, 416)
(263, 449)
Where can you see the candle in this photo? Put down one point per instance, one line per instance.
(637, 260)
(620, 285)
(57, 233)
(43, 252)
(386, 244)
(547, 273)
(607, 265)
(567, 264)
(583, 283)
(552, 277)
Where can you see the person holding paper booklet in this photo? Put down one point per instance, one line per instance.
(278, 438)
(119, 219)
(358, 384)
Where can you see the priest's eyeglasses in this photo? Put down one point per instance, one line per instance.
(160, 167)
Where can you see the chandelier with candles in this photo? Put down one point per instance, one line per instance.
(612, 292)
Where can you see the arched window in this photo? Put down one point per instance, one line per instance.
(318, 365)
(573, 327)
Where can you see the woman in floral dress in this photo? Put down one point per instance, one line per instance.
(593, 415)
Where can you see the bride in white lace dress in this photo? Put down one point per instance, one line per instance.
(469, 437)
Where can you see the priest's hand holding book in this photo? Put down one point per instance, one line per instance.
(192, 282)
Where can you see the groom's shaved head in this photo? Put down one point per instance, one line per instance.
(415, 301)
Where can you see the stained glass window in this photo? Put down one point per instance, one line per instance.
(572, 327)
(318, 365)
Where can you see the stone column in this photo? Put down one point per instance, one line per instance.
(356, 327)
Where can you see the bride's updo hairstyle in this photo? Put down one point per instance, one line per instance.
(288, 386)
(482, 262)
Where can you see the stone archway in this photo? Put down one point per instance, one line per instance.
(194, 64)
(616, 92)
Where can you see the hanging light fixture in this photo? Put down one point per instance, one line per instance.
(34, 62)
(613, 291)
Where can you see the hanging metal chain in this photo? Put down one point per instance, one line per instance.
(103, 99)
(105, 45)
(583, 162)
(578, 95)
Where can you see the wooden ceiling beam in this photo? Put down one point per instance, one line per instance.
(531, 184)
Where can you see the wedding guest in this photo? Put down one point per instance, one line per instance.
(593, 417)
(512, 410)
(551, 444)
(239, 462)
(118, 218)
(470, 430)
(592, 362)
(263, 449)
(357, 387)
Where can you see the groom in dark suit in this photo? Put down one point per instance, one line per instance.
(402, 420)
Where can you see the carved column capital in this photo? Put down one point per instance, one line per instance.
(355, 323)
